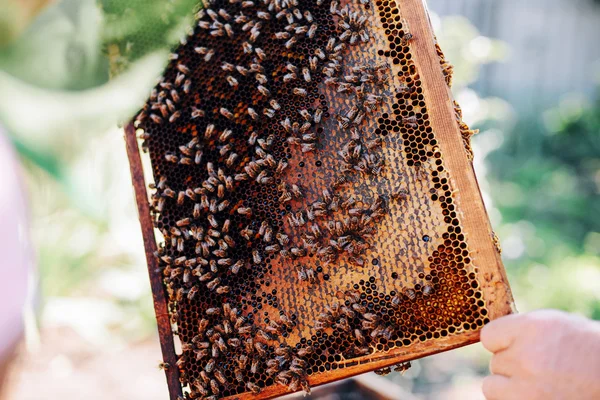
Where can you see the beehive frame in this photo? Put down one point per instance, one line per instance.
(404, 39)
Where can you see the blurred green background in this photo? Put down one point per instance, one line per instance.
(538, 162)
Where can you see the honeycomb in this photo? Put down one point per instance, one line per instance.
(308, 228)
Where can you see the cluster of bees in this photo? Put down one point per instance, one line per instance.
(465, 132)
(224, 334)
(240, 96)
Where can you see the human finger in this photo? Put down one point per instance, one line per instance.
(496, 387)
(499, 334)
(502, 364)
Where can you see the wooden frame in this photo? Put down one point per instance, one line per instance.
(475, 222)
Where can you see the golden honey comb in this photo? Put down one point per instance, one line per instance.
(318, 212)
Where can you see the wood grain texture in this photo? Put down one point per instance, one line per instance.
(158, 292)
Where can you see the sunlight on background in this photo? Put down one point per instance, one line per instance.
(95, 330)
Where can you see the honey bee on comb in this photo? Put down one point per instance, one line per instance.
(302, 151)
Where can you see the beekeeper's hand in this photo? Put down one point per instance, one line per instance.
(542, 355)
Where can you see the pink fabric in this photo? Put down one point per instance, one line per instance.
(15, 251)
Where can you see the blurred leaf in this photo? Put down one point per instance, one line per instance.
(43, 160)
(44, 116)
(61, 49)
(137, 27)
(16, 16)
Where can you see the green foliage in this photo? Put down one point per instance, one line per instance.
(545, 182)
(135, 28)
(61, 111)
(551, 172)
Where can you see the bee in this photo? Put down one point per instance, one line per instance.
(383, 371)
(198, 156)
(308, 147)
(171, 158)
(247, 211)
(406, 38)
(305, 385)
(269, 112)
(232, 81)
(318, 115)
(164, 366)
(305, 114)
(231, 159)
(256, 257)
(228, 67)
(209, 55)
(313, 63)
(302, 274)
(204, 376)
(263, 178)
(226, 113)
(210, 365)
(410, 122)
(239, 376)
(358, 261)
(299, 92)
(371, 144)
(290, 43)
(291, 67)
(296, 191)
(377, 331)
(400, 194)
(396, 301)
(298, 252)
(427, 290)
(183, 69)
(312, 31)
(262, 79)
(263, 90)
(197, 113)
(402, 367)
(272, 249)
(306, 74)
(213, 311)
(187, 85)
(242, 330)
(261, 349)
(208, 132)
(248, 49)
(347, 311)
(297, 370)
(282, 35)
(294, 384)
(253, 387)
(229, 30)
(192, 293)
(359, 308)
(410, 293)
(263, 335)
(215, 351)
(214, 386)
(247, 233)
(286, 78)
(305, 351)
(281, 166)
(212, 285)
